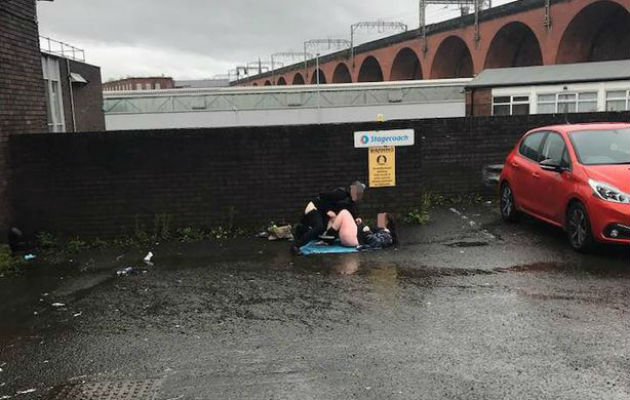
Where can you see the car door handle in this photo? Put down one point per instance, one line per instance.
(515, 165)
(536, 175)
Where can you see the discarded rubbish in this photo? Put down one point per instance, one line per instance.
(5, 397)
(148, 258)
(78, 314)
(27, 391)
(58, 305)
(276, 232)
(30, 257)
(280, 233)
(125, 271)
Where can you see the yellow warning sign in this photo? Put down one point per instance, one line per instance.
(382, 167)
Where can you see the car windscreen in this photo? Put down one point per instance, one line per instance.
(602, 147)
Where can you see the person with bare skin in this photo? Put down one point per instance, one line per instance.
(315, 217)
(353, 234)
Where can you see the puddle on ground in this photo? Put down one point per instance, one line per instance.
(468, 244)
(600, 269)
(363, 265)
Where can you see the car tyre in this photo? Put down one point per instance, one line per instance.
(507, 204)
(578, 227)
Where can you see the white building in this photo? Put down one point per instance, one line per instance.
(284, 105)
(587, 87)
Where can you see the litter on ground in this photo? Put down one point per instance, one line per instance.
(125, 271)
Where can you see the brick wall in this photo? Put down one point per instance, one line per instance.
(479, 102)
(132, 83)
(22, 101)
(103, 184)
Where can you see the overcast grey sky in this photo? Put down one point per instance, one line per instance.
(191, 39)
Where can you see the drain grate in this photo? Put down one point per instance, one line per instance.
(139, 390)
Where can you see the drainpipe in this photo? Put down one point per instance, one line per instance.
(74, 120)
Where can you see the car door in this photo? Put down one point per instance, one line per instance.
(553, 187)
(525, 166)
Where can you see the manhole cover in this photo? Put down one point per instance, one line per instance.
(142, 390)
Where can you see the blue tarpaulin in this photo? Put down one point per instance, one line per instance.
(336, 248)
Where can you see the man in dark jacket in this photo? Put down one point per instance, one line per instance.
(315, 218)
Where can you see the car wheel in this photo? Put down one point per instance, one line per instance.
(578, 228)
(508, 208)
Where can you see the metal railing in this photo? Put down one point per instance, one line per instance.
(62, 49)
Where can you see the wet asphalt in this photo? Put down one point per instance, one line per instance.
(467, 308)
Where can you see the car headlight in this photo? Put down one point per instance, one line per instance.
(609, 193)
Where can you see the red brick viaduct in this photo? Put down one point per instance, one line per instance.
(517, 34)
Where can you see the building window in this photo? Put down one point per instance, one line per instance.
(546, 104)
(158, 86)
(138, 86)
(567, 102)
(587, 102)
(147, 86)
(618, 100)
(510, 105)
(54, 100)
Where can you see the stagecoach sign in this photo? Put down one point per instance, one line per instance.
(391, 138)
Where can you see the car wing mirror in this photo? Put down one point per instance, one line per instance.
(551, 165)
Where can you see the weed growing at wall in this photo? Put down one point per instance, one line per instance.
(8, 263)
(46, 240)
(76, 245)
(421, 215)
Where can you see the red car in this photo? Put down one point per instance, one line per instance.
(576, 177)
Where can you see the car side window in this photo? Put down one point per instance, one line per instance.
(555, 149)
(530, 147)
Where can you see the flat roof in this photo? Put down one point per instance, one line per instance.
(553, 74)
(202, 83)
(440, 92)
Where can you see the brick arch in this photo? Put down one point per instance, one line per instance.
(298, 79)
(452, 60)
(406, 66)
(342, 74)
(255, 84)
(267, 83)
(514, 45)
(281, 81)
(370, 70)
(322, 77)
(598, 32)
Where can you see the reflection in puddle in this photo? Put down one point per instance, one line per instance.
(385, 282)
(348, 265)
